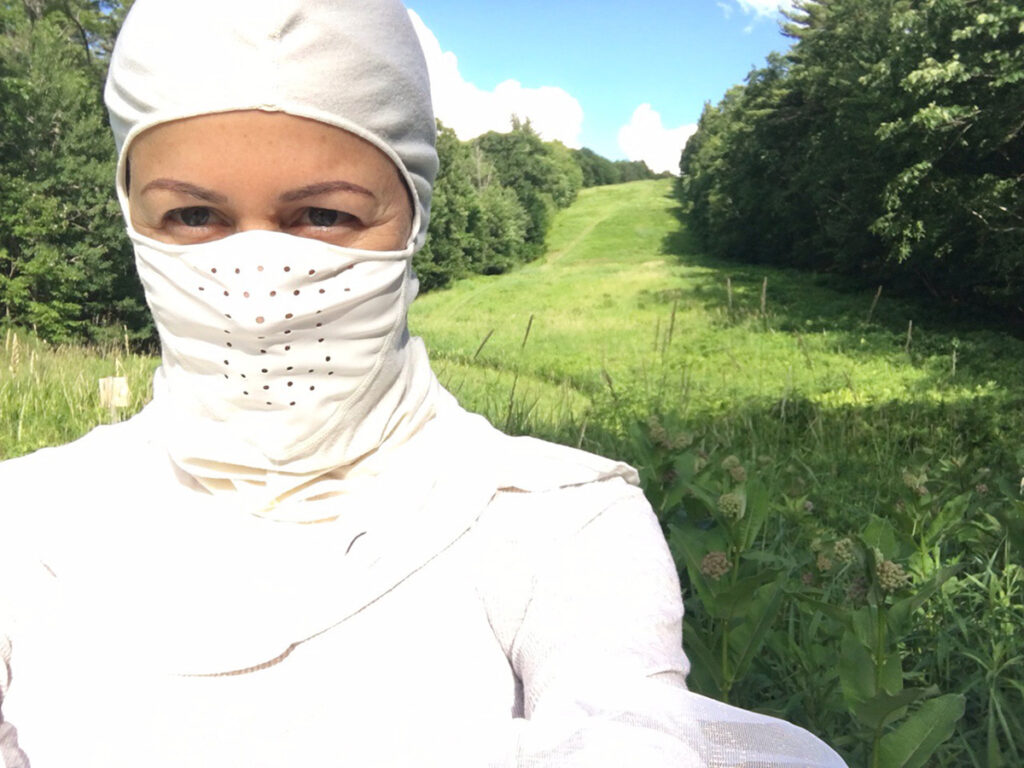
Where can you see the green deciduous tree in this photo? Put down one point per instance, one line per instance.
(65, 264)
(887, 144)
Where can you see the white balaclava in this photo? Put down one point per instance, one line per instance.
(286, 361)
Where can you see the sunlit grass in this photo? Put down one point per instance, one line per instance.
(50, 395)
(625, 317)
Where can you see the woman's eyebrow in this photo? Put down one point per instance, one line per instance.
(322, 188)
(185, 187)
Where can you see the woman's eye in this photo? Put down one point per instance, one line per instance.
(192, 217)
(326, 217)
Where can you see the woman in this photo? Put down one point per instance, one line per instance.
(303, 551)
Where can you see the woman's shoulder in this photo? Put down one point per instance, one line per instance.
(74, 475)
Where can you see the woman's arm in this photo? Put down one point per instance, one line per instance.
(597, 644)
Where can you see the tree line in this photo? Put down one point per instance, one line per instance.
(66, 266)
(886, 144)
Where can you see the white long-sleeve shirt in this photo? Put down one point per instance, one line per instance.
(527, 614)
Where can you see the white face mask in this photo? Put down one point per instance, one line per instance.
(281, 353)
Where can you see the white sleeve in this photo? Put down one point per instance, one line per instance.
(598, 649)
(10, 755)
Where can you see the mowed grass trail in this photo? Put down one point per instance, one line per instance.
(628, 320)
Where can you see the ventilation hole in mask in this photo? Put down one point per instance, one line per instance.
(226, 376)
(226, 363)
(287, 269)
(330, 373)
(226, 331)
(327, 359)
(259, 269)
(229, 344)
(201, 288)
(266, 387)
(238, 271)
(319, 341)
(260, 338)
(310, 371)
(288, 349)
(320, 311)
(263, 351)
(323, 291)
(228, 316)
(312, 388)
(290, 368)
(244, 376)
(312, 271)
(269, 403)
(287, 332)
(273, 293)
(263, 370)
(296, 292)
(289, 316)
(347, 290)
(260, 319)
(226, 293)
(214, 270)
(319, 325)
(291, 403)
(291, 383)
(244, 392)
(246, 294)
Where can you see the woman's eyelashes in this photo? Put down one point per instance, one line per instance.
(326, 217)
(192, 217)
(201, 217)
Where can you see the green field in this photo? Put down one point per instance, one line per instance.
(627, 319)
(839, 476)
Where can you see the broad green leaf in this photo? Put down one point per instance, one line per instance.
(767, 609)
(882, 709)
(880, 533)
(735, 600)
(757, 510)
(856, 671)
(688, 553)
(913, 742)
(706, 669)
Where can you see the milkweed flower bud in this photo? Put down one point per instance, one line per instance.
(731, 505)
(891, 576)
(730, 462)
(844, 551)
(739, 474)
(824, 563)
(715, 565)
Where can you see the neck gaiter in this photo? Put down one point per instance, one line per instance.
(284, 358)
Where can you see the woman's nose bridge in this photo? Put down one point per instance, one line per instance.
(249, 223)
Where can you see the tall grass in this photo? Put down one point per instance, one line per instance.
(50, 395)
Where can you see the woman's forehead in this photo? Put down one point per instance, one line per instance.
(250, 141)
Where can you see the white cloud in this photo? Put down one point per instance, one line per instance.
(646, 138)
(764, 7)
(726, 9)
(471, 111)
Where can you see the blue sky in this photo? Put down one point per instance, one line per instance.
(583, 70)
